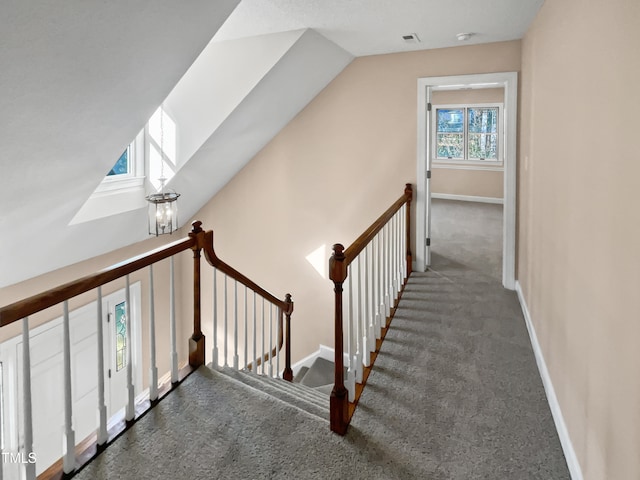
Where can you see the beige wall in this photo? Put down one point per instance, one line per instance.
(327, 175)
(480, 181)
(579, 229)
(341, 162)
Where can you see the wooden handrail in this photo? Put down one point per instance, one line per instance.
(197, 241)
(359, 244)
(206, 243)
(340, 411)
(28, 306)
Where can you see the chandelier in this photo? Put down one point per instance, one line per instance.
(163, 206)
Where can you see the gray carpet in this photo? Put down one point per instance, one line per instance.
(467, 235)
(455, 394)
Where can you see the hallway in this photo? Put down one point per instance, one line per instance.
(454, 394)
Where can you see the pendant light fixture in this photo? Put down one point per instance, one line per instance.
(163, 206)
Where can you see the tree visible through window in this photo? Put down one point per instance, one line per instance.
(467, 133)
(121, 336)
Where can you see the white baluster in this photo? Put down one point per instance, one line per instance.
(380, 280)
(246, 332)
(351, 344)
(69, 442)
(29, 468)
(262, 356)
(398, 255)
(392, 252)
(131, 407)
(226, 324)
(279, 320)
(368, 265)
(270, 369)
(214, 350)
(236, 358)
(255, 334)
(153, 369)
(392, 265)
(377, 322)
(172, 322)
(362, 311)
(101, 432)
(387, 271)
(403, 242)
(356, 320)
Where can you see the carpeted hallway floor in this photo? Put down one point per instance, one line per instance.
(455, 394)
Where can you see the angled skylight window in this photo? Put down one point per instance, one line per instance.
(162, 146)
(122, 166)
(122, 188)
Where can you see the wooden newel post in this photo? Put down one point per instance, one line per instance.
(288, 373)
(338, 402)
(408, 191)
(196, 342)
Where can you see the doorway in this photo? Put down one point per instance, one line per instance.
(426, 87)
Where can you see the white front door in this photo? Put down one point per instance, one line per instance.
(47, 379)
(116, 354)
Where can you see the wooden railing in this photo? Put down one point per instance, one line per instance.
(375, 267)
(76, 455)
(284, 309)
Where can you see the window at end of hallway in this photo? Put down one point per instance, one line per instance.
(468, 134)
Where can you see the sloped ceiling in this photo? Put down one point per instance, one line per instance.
(79, 79)
(308, 65)
(230, 102)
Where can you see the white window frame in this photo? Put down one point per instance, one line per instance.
(118, 193)
(499, 162)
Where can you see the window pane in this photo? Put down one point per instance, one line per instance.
(122, 165)
(450, 120)
(483, 147)
(483, 120)
(450, 145)
(121, 336)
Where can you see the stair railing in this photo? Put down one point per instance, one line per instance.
(375, 268)
(247, 315)
(77, 454)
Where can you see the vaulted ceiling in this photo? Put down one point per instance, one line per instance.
(80, 79)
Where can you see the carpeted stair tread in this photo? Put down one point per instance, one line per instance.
(307, 393)
(324, 389)
(300, 375)
(303, 398)
(320, 373)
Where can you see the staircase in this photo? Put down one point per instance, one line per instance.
(309, 390)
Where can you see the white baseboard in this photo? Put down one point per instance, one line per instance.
(467, 198)
(565, 440)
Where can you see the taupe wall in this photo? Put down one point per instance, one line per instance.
(481, 181)
(477, 183)
(579, 228)
(327, 175)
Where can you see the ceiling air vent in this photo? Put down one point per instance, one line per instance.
(411, 38)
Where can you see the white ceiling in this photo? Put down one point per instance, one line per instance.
(370, 27)
(80, 78)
